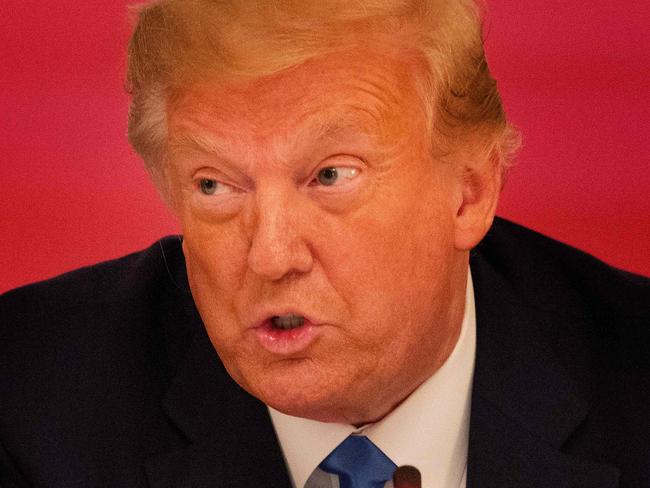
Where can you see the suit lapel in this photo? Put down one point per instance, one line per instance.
(231, 441)
(524, 406)
(504, 454)
(229, 437)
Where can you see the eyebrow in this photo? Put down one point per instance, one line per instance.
(202, 141)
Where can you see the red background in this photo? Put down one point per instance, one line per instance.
(574, 77)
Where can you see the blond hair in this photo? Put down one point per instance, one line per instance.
(179, 42)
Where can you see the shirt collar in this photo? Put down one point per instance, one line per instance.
(429, 430)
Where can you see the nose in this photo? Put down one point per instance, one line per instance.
(278, 247)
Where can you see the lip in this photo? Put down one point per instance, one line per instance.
(285, 342)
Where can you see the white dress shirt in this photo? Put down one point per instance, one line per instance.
(428, 430)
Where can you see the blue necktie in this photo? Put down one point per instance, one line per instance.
(359, 464)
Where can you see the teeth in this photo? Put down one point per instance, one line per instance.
(287, 322)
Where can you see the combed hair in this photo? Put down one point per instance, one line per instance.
(176, 43)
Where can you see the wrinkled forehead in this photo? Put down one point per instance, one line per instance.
(368, 90)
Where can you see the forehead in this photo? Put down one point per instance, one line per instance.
(367, 90)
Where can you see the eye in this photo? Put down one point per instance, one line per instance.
(332, 175)
(210, 186)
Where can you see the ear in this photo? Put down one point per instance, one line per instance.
(480, 186)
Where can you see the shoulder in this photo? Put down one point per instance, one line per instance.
(595, 317)
(546, 308)
(87, 308)
(122, 279)
(83, 312)
(86, 358)
(98, 336)
(554, 276)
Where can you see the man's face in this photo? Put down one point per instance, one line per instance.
(311, 197)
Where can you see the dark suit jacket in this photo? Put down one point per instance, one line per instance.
(107, 377)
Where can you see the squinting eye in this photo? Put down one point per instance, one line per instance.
(208, 186)
(330, 175)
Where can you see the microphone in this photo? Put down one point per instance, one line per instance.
(407, 477)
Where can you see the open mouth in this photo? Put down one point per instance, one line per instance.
(287, 322)
(287, 334)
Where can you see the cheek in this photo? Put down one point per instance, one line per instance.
(403, 237)
(218, 250)
(214, 274)
(216, 259)
(394, 257)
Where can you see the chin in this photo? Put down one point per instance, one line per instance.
(299, 395)
(301, 404)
